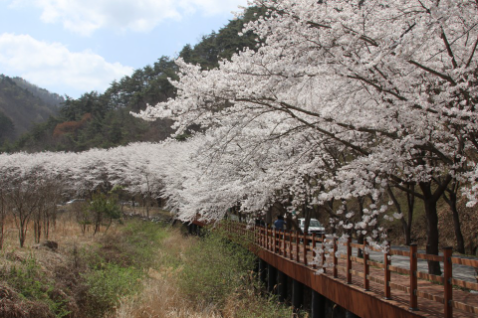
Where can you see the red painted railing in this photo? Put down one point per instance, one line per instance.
(299, 247)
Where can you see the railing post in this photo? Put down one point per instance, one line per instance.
(258, 235)
(262, 271)
(317, 306)
(283, 243)
(313, 250)
(448, 275)
(282, 287)
(266, 238)
(254, 234)
(366, 269)
(271, 278)
(305, 248)
(271, 238)
(335, 257)
(413, 277)
(269, 232)
(386, 263)
(349, 261)
(290, 245)
(274, 240)
(297, 295)
(261, 231)
(297, 247)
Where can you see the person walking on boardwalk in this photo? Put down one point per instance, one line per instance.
(279, 223)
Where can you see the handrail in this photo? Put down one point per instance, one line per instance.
(296, 247)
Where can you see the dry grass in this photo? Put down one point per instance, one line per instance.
(55, 265)
(161, 297)
(66, 232)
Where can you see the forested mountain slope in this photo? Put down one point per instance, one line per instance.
(22, 105)
(52, 100)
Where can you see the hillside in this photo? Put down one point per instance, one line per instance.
(22, 105)
(52, 100)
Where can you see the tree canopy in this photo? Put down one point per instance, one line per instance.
(391, 85)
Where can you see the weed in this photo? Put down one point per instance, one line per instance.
(31, 284)
(106, 285)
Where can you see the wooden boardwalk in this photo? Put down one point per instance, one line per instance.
(363, 286)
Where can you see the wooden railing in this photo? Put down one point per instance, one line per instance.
(301, 248)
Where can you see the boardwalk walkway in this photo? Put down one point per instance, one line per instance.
(367, 286)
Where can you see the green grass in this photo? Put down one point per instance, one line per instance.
(108, 284)
(31, 284)
(220, 272)
(117, 265)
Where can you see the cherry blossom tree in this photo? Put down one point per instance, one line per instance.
(392, 83)
(26, 179)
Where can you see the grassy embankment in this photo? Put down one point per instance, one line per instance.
(136, 269)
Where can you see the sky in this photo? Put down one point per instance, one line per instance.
(71, 47)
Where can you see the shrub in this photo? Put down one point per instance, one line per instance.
(104, 207)
(108, 284)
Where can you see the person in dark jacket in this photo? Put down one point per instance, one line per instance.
(279, 223)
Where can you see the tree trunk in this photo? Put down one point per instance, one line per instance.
(360, 236)
(98, 220)
(432, 247)
(406, 231)
(37, 231)
(291, 224)
(460, 242)
(22, 233)
(269, 217)
(307, 216)
(406, 225)
(411, 206)
(37, 226)
(46, 227)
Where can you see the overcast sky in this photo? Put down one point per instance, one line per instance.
(75, 46)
